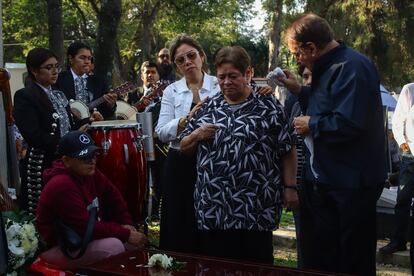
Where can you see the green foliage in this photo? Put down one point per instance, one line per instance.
(377, 29)
(287, 219)
(24, 24)
(382, 30)
(289, 260)
(18, 216)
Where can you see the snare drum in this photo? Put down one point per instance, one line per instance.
(123, 160)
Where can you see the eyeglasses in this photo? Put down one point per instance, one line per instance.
(301, 50)
(164, 56)
(51, 68)
(191, 56)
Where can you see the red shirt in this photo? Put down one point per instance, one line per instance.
(67, 196)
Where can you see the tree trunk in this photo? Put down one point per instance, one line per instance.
(1, 36)
(108, 21)
(142, 40)
(55, 21)
(274, 34)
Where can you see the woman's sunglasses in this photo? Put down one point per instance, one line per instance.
(191, 55)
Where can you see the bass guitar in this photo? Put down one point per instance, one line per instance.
(82, 110)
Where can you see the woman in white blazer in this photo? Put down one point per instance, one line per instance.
(180, 100)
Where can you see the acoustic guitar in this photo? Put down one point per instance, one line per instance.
(82, 110)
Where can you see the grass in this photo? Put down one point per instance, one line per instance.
(287, 219)
(288, 261)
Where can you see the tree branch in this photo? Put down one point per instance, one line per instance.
(94, 6)
(155, 9)
(83, 19)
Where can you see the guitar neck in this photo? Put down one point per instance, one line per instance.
(154, 92)
(122, 89)
(96, 103)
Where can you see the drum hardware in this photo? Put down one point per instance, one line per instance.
(106, 143)
(138, 142)
(126, 155)
(145, 119)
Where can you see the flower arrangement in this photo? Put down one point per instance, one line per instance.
(165, 262)
(22, 240)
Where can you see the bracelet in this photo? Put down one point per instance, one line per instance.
(293, 187)
(184, 122)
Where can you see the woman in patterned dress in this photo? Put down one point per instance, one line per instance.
(43, 116)
(246, 164)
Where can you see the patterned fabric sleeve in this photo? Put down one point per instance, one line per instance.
(191, 126)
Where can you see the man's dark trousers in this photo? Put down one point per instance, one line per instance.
(404, 198)
(344, 227)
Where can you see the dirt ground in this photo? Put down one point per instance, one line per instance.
(287, 257)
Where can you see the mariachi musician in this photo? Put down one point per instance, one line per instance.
(43, 115)
(148, 99)
(78, 84)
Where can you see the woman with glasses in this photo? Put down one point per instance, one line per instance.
(78, 84)
(42, 115)
(180, 100)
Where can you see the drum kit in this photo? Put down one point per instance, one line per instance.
(125, 146)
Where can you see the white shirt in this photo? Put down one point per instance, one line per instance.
(146, 90)
(403, 119)
(176, 103)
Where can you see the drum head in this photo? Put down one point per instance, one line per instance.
(115, 124)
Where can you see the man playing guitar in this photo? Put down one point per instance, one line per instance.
(77, 84)
(149, 76)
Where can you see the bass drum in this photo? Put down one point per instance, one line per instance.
(123, 160)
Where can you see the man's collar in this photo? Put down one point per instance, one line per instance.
(325, 59)
(76, 76)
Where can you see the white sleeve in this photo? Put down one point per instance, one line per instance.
(400, 116)
(166, 128)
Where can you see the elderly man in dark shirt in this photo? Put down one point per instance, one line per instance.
(344, 132)
(246, 164)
